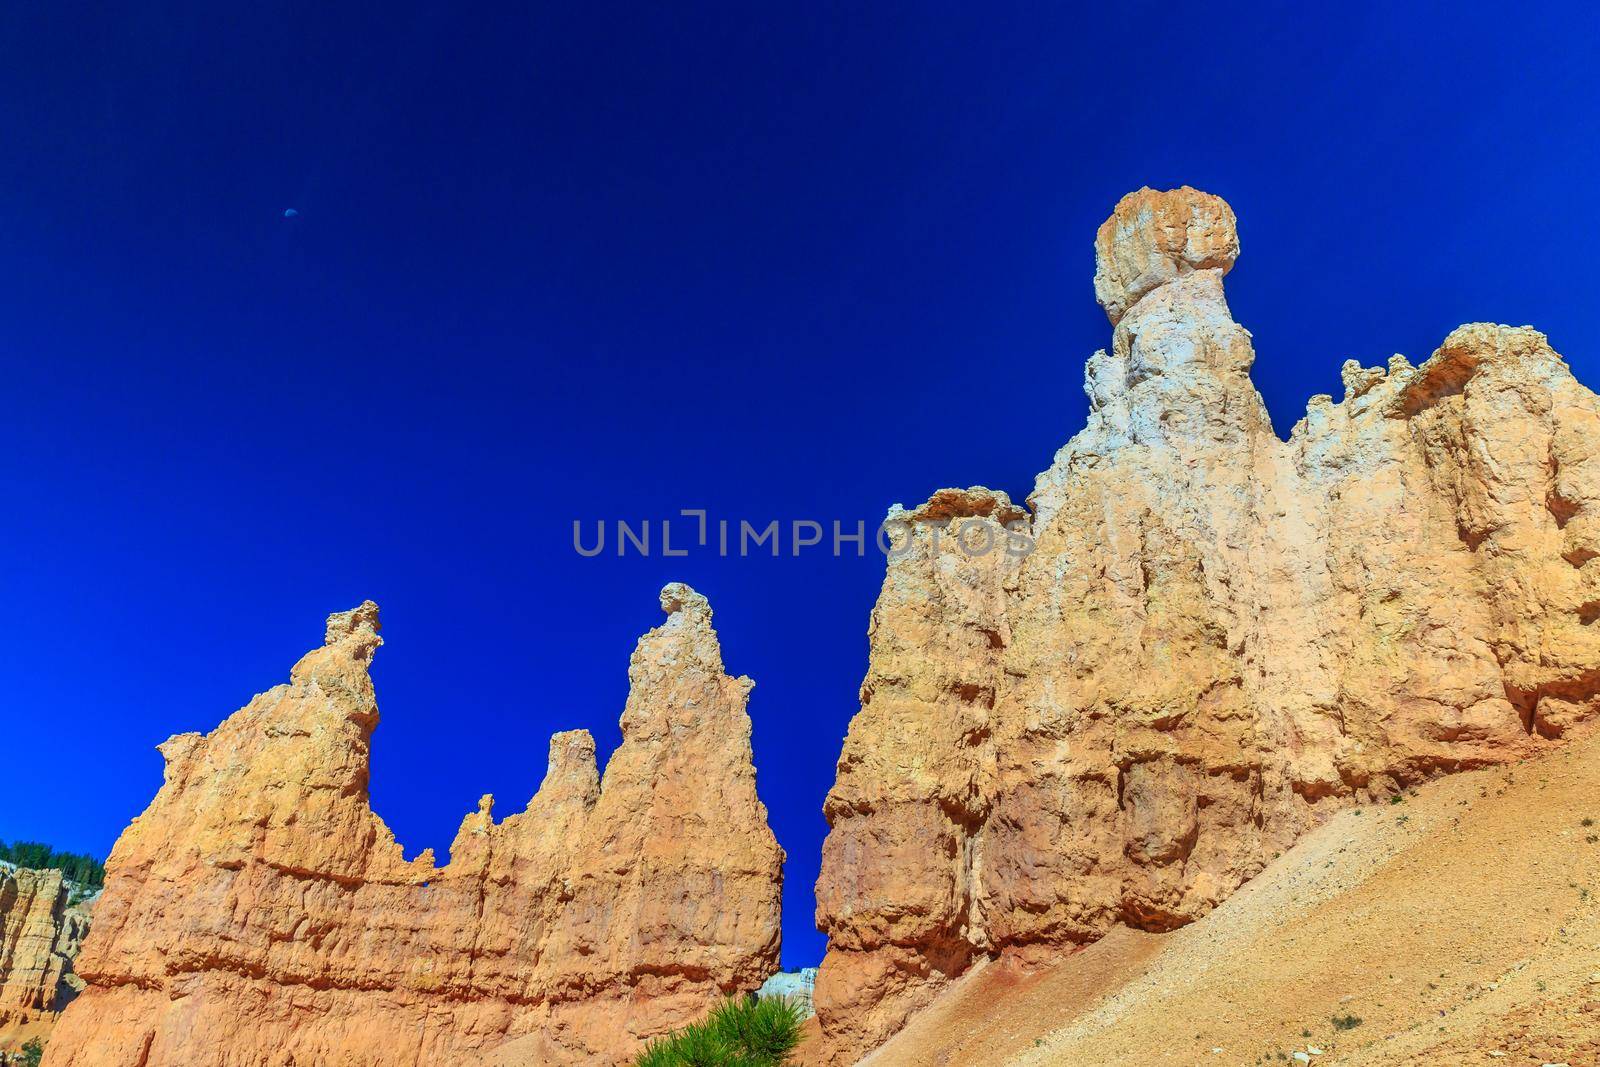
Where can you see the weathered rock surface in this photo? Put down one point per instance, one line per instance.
(40, 935)
(1219, 639)
(259, 914)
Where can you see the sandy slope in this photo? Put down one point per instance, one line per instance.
(1460, 923)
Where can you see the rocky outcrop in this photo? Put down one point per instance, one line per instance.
(1218, 638)
(40, 934)
(259, 914)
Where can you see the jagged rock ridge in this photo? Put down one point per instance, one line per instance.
(259, 914)
(41, 932)
(1219, 639)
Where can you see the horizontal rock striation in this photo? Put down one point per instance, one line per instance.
(1218, 639)
(40, 935)
(259, 914)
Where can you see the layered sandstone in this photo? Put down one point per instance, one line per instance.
(259, 914)
(40, 934)
(1218, 639)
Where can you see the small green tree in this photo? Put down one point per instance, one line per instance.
(33, 1053)
(739, 1032)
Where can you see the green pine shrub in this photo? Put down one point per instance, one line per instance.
(739, 1032)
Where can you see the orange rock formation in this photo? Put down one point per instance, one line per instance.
(259, 914)
(40, 935)
(1219, 639)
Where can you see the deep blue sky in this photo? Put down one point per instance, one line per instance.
(596, 261)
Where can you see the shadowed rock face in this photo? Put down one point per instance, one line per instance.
(259, 914)
(40, 936)
(1219, 639)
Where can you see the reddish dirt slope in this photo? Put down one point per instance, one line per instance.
(1460, 923)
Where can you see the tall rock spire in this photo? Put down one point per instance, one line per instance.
(1219, 638)
(41, 931)
(260, 913)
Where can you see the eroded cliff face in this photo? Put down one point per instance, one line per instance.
(259, 914)
(1219, 638)
(40, 935)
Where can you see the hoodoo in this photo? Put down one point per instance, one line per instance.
(259, 914)
(41, 930)
(1220, 638)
